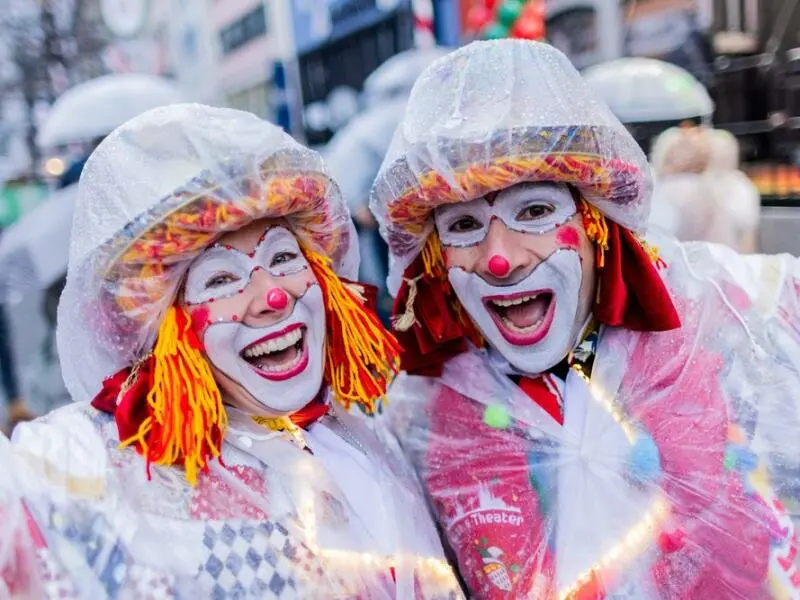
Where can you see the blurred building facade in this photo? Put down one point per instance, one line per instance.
(248, 44)
(338, 43)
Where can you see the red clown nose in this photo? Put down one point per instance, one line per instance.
(499, 266)
(277, 299)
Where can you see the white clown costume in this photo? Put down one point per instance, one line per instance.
(293, 499)
(641, 443)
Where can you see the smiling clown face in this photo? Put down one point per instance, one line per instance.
(522, 267)
(258, 309)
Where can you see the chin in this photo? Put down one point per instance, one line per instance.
(289, 389)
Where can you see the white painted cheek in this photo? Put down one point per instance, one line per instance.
(220, 344)
(470, 292)
(312, 305)
(560, 273)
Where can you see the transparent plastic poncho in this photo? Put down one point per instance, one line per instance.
(676, 471)
(268, 519)
(497, 113)
(156, 192)
(82, 519)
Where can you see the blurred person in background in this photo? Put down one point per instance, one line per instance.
(354, 156)
(682, 203)
(16, 408)
(45, 387)
(700, 194)
(735, 193)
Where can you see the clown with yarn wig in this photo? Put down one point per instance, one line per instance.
(592, 414)
(223, 369)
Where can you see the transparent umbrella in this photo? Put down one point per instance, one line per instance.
(395, 77)
(641, 90)
(34, 250)
(97, 107)
(354, 155)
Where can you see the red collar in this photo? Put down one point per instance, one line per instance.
(129, 408)
(311, 412)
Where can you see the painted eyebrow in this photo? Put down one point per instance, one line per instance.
(540, 190)
(258, 246)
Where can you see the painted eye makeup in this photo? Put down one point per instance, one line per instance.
(464, 224)
(219, 280)
(216, 274)
(536, 211)
(222, 271)
(280, 253)
(536, 208)
(282, 258)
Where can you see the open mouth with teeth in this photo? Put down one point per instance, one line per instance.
(525, 318)
(280, 355)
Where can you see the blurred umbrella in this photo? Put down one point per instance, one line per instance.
(354, 156)
(97, 107)
(641, 90)
(355, 153)
(34, 250)
(396, 77)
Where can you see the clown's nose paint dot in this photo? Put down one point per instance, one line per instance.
(277, 299)
(498, 266)
(497, 417)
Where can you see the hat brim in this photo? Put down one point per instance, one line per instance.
(196, 215)
(586, 157)
(152, 251)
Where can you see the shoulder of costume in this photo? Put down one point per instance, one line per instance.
(66, 450)
(755, 284)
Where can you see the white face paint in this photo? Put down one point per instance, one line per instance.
(530, 319)
(281, 364)
(528, 208)
(221, 272)
(549, 296)
(286, 390)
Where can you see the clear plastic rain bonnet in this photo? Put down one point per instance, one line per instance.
(156, 192)
(494, 114)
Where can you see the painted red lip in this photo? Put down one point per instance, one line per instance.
(523, 339)
(271, 336)
(295, 370)
(284, 375)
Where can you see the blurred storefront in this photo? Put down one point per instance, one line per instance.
(338, 44)
(247, 46)
(17, 198)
